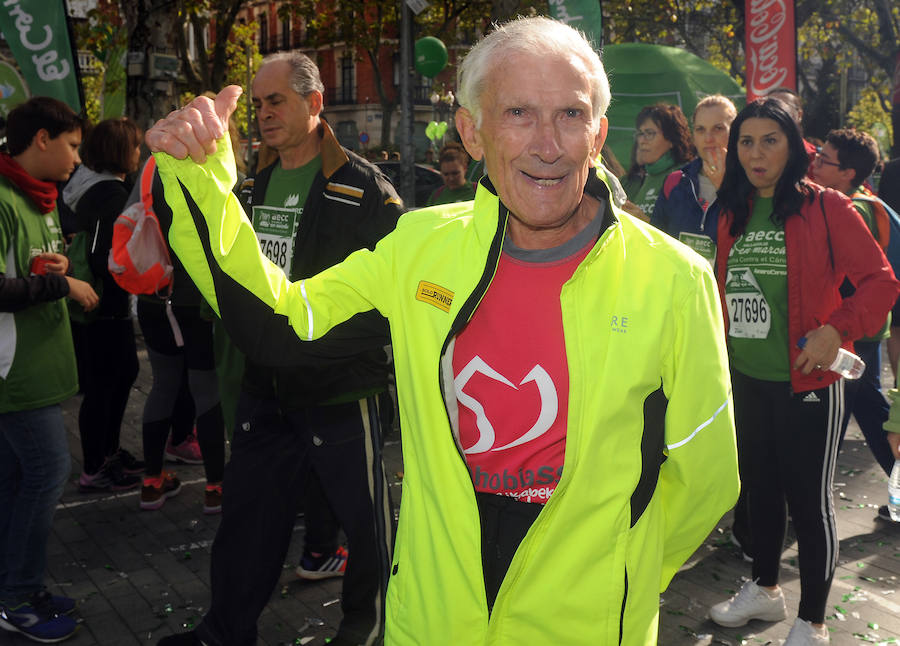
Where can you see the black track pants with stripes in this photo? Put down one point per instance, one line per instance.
(787, 448)
(274, 454)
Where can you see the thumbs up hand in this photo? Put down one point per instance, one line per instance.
(193, 130)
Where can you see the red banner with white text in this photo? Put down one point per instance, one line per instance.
(770, 45)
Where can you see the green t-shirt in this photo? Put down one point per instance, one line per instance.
(37, 358)
(644, 192)
(276, 220)
(444, 195)
(757, 300)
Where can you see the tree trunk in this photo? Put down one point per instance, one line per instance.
(387, 106)
(226, 14)
(150, 24)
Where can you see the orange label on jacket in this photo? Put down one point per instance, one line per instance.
(440, 297)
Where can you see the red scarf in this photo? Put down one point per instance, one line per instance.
(42, 193)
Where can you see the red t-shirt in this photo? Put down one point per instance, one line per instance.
(512, 380)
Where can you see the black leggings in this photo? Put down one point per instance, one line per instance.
(108, 359)
(787, 448)
(168, 362)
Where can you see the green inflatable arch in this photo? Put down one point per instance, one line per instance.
(642, 74)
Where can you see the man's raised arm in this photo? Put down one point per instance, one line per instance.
(217, 244)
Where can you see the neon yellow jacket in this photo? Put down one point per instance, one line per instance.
(650, 461)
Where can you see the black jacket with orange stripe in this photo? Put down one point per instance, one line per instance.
(351, 205)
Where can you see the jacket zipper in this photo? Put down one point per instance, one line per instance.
(468, 309)
(697, 200)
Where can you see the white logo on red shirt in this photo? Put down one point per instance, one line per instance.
(486, 434)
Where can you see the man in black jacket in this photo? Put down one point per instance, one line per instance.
(308, 417)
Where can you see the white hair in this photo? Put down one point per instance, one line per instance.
(540, 36)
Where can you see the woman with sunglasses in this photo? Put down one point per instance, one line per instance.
(662, 144)
(784, 248)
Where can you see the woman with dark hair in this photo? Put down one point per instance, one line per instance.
(104, 343)
(662, 144)
(784, 248)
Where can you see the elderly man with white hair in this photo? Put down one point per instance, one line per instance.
(568, 435)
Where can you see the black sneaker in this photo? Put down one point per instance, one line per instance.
(154, 496)
(325, 566)
(130, 464)
(885, 514)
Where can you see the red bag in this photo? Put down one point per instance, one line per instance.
(139, 258)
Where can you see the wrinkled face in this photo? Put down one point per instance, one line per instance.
(651, 145)
(285, 118)
(538, 137)
(711, 126)
(61, 155)
(763, 153)
(454, 174)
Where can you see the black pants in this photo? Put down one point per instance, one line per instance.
(504, 523)
(109, 365)
(272, 456)
(787, 449)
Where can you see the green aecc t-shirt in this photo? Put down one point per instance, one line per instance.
(756, 298)
(276, 221)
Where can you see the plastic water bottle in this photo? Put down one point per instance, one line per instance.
(846, 364)
(894, 492)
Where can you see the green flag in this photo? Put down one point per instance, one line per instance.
(585, 15)
(38, 36)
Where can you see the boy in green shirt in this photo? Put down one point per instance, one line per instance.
(37, 360)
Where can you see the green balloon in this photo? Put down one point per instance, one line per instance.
(441, 129)
(431, 130)
(431, 56)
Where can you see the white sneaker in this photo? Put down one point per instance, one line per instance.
(751, 602)
(804, 633)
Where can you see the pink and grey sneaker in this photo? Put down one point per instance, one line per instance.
(188, 452)
(110, 477)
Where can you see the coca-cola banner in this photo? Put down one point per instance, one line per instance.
(771, 46)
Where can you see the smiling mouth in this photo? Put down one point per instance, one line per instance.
(543, 181)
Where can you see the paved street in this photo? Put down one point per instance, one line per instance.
(141, 575)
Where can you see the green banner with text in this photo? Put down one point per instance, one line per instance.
(586, 15)
(37, 33)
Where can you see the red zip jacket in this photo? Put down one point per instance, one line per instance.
(823, 246)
